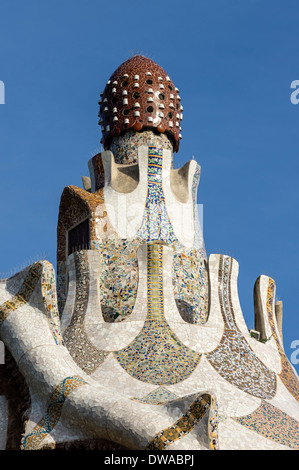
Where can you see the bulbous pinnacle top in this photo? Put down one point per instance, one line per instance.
(140, 95)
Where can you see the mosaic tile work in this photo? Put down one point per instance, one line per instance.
(48, 285)
(49, 421)
(82, 350)
(148, 387)
(125, 146)
(41, 271)
(24, 294)
(213, 424)
(156, 225)
(274, 424)
(234, 359)
(77, 205)
(190, 274)
(62, 284)
(287, 375)
(118, 280)
(190, 281)
(186, 423)
(156, 355)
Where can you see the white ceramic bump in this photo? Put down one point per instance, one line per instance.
(181, 215)
(267, 352)
(125, 210)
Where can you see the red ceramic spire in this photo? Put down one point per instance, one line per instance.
(140, 95)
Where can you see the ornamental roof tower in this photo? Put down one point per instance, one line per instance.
(138, 341)
(140, 95)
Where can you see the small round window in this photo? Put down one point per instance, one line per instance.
(150, 109)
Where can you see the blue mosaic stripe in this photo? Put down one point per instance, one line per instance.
(155, 225)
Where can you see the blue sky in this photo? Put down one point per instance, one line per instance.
(233, 63)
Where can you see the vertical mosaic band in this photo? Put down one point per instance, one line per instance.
(156, 225)
(155, 297)
(156, 355)
(82, 350)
